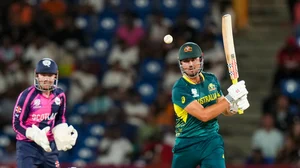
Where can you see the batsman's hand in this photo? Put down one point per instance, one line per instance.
(241, 103)
(39, 136)
(236, 91)
(65, 136)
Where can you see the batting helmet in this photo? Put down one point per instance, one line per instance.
(190, 50)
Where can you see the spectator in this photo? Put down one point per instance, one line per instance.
(148, 130)
(182, 28)
(257, 158)
(283, 115)
(20, 14)
(114, 149)
(135, 109)
(289, 154)
(56, 8)
(296, 12)
(164, 111)
(82, 81)
(158, 28)
(38, 49)
(130, 32)
(267, 138)
(9, 53)
(291, 6)
(98, 102)
(288, 62)
(69, 35)
(170, 76)
(9, 156)
(126, 55)
(171, 54)
(115, 76)
(23, 75)
(96, 6)
(295, 133)
(214, 55)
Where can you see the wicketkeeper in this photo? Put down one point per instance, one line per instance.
(39, 120)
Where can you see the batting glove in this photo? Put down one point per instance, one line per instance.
(39, 136)
(234, 108)
(65, 136)
(241, 103)
(236, 91)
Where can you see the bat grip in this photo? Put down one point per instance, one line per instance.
(234, 81)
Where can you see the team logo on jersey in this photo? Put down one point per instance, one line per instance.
(47, 63)
(195, 92)
(182, 99)
(37, 103)
(57, 101)
(18, 109)
(211, 87)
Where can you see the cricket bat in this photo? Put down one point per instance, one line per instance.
(229, 50)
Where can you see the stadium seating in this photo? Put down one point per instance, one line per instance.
(147, 90)
(151, 69)
(107, 23)
(170, 8)
(198, 8)
(290, 88)
(141, 7)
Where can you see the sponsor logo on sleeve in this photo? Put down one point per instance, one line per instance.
(182, 99)
(57, 101)
(18, 109)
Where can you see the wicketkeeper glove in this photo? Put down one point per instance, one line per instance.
(241, 103)
(65, 136)
(236, 91)
(39, 136)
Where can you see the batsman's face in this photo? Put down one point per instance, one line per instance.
(46, 81)
(191, 66)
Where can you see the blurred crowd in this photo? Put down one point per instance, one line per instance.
(117, 74)
(113, 65)
(277, 141)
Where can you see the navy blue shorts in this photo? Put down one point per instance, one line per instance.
(29, 154)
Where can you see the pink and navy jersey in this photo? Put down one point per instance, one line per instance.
(34, 108)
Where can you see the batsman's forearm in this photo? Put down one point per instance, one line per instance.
(205, 114)
(215, 110)
(227, 112)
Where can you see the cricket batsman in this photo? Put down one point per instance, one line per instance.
(198, 101)
(39, 120)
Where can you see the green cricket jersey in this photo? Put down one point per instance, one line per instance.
(206, 93)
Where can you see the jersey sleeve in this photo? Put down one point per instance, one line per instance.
(20, 113)
(220, 93)
(181, 97)
(61, 118)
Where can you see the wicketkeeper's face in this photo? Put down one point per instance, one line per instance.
(191, 66)
(46, 81)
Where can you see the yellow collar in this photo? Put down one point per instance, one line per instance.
(190, 81)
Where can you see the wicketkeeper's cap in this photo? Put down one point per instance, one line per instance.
(189, 50)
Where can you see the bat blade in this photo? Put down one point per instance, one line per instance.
(230, 50)
(229, 47)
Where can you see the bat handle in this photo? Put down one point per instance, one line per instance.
(234, 81)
